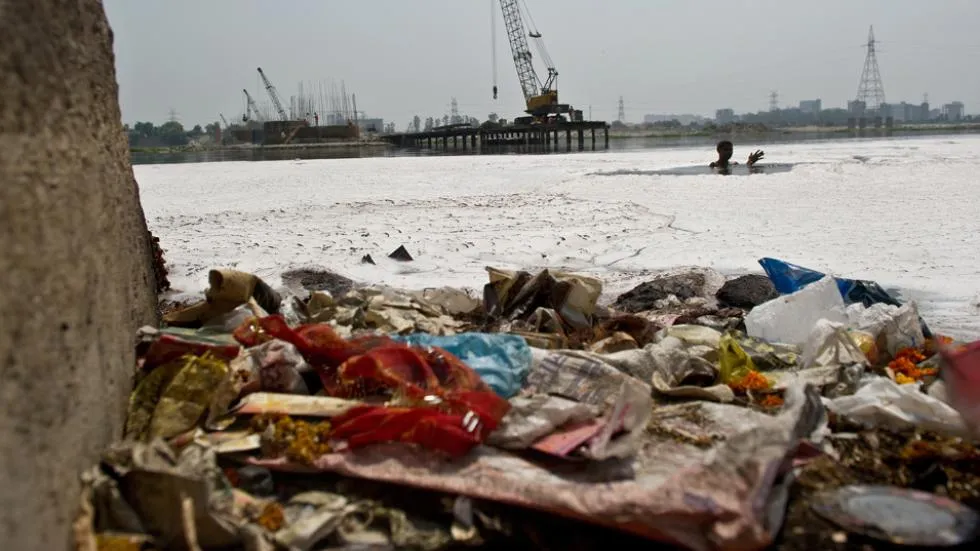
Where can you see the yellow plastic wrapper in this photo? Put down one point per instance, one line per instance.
(733, 362)
(737, 369)
(187, 396)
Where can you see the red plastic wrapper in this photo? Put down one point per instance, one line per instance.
(449, 407)
(169, 348)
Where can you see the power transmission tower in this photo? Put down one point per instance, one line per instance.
(773, 102)
(454, 112)
(173, 115)
(870, 90)
(622, 111)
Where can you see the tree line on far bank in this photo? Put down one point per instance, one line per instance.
(168, 134)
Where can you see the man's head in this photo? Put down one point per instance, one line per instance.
(725, 150)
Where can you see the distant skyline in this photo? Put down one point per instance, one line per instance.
(410, 58)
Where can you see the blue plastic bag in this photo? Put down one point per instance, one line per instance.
(501, 360)
(788, 278)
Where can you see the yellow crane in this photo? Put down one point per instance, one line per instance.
(540, 98)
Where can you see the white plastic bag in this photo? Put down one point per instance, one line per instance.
(790, 318)
(885, 403)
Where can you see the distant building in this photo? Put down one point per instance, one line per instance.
(371, 125)
(905, 112)
(725, 116)
(365, 125)
(857, 108)
(953, 111)
(811, 107)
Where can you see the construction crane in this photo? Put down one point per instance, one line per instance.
(224, 120)
(541, 98)
(274, 95)
(251, 109)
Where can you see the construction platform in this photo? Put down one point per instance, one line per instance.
(528, 137)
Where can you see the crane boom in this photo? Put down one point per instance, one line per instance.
(224, 120)
(274, 95)
(251, 108)
(541, 99)
(518, 46)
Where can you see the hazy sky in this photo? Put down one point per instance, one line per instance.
(407, 57)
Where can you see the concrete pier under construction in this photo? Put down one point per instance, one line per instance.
(567, 136)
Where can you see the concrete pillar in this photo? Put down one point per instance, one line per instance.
(581, 139)
(593, 138)
(606, 133)
(75, 263)
(568, 139)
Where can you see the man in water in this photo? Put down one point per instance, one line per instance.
(725, 150)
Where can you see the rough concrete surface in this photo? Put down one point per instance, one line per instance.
(75, 267)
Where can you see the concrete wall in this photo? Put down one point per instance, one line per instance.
(75, 272)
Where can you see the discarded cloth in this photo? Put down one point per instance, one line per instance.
(441, 402)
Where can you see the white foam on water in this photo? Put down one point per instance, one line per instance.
(902, 212)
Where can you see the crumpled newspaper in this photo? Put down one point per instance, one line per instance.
(563, 298)
(318, 516)
(729, 495)
(587, 378)
(383, 310)
(536, 416)
(158, 491)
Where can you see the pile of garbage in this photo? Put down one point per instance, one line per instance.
(694, 411)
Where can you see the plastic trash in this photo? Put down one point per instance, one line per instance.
(790, 318)
(887, 404)
(961, 374)
(501, 360)
(788, 278)
(734, 364)
(830, 345)
(893, 327)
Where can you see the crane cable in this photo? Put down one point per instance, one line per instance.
(536, 35)
(493, 45)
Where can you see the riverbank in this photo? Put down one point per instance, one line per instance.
(369, 143)
(760, 131)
